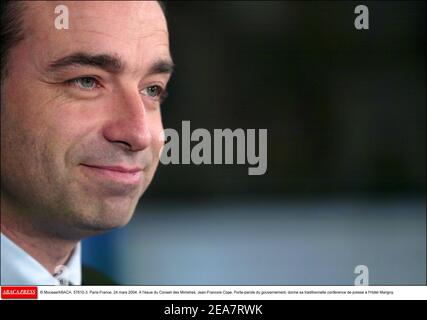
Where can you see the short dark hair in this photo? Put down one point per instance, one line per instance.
(162, 5)
(12, 30)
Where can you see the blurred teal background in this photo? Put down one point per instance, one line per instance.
(345, 185)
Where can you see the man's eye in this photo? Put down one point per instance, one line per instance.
(85, 83)
(155, 92)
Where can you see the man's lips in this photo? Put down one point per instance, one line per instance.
(118, 174)
(116, 168)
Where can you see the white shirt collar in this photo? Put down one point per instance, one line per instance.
(19, 268)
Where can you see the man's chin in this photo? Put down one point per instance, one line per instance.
(94, 227)
(104, 221)
(94, 214)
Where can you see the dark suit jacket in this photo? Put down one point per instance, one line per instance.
(92, 277)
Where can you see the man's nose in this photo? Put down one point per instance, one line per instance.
(128, 124)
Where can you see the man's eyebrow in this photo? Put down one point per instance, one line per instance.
(162, 66)
(107, 62)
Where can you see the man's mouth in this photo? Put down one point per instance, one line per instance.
(118, 174)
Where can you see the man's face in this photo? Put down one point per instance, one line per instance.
(79, 130)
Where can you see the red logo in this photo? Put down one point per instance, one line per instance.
(19, 292)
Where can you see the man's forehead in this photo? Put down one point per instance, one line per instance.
(98, 26)
(142, 10)
(118, 18)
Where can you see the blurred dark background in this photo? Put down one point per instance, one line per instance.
(344, 109)
(345, 113)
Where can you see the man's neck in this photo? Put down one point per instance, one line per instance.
(48, 250)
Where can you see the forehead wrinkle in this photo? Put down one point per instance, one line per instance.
(142, 22)
(84, 22)
(145, 35)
